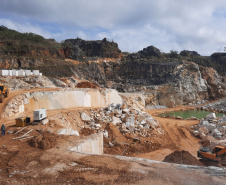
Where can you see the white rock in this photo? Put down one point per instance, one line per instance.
(105, 133)
(85, 117)
(45, 121)
(125, 110)
(215, 131)
(97, 125)
(211, 115)
(196, 132)
(74, 132)
(130, 121)
(116, 120)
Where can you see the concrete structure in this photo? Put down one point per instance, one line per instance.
(92, 145)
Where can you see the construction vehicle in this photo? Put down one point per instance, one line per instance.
(218, 154)
(22, 121)
(4, 92)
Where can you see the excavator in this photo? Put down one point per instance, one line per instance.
(4, 92)
(218, 154)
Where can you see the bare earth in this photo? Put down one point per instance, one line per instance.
(47, 161)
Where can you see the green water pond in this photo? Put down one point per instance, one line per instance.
(190, 113)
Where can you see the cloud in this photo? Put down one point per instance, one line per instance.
(134, 24)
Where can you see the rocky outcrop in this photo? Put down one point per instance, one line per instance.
(79, 49)
(169, 83)
(214, 82)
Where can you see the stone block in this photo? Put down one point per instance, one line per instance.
(85, 117)
(45, 121)
(130, 122)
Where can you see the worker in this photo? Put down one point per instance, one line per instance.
(3, 129)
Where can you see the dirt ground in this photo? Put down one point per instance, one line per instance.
(44, 159)
(24, 163)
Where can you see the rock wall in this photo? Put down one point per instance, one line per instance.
(170, 83)
(61, 100)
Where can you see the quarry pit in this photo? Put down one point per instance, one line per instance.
(68, 132)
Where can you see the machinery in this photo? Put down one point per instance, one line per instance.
(4, 92)
(39, 114)
(22, 121)
(218, 154)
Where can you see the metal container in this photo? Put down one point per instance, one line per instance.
(21, 122)
(39, 114)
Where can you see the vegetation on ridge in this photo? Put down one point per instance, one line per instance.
(16, 43)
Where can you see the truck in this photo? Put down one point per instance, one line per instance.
(217, 154)
(4, 92)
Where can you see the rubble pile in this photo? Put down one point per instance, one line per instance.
(211, 126)
(29, 82)
(134, 100)
(128, 120)
(219, 106)
(15, 106)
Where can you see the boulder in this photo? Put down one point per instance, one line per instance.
(141, 118)
(105, 133)
(85, 117)
(130, 121)
(196, 132)
(203, 130)
(211, 115)
(116, 120)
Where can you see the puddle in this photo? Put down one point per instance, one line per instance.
(190, 113)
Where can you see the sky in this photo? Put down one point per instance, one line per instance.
(195, 25)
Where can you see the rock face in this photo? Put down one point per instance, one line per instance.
(169, 83)
(150, 51)
(79, 49)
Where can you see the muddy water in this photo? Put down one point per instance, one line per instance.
(189, 113)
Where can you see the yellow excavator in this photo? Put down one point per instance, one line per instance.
(218, 154)
(4, 92)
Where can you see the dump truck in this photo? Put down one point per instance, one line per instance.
(218, 154)
(4, 92)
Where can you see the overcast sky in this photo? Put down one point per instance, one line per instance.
(198, 25)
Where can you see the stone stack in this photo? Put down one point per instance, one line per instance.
(128, 120)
